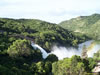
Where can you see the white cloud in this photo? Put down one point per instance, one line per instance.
(48, 10)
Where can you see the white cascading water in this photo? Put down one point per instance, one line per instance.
(63, 52)
(44, 53)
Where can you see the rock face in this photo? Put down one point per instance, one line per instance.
(97, 68)
(84, 52)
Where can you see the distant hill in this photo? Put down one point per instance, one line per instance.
(88, 25)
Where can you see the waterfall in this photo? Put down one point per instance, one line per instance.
(63, 52)
(35, 46)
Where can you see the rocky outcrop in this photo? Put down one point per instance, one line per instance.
(97, 68)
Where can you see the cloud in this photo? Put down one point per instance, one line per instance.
(49, 10)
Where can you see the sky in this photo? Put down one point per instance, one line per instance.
(53, 11)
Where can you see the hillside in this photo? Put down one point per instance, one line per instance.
(88, 25)
(43, 33)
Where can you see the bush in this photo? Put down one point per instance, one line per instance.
(20, 48)
(52, 58)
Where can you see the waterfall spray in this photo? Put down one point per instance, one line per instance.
(63, 52)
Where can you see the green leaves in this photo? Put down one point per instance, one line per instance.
(20, 48)
(41, 68)
(71, 66)
(52, 58)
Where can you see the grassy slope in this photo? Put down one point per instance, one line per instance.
(88, 25)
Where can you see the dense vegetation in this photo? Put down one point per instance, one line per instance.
(73, 66)
(88, 25)
(97, 56)
(43, 33)
(17, 57)
(22, 59)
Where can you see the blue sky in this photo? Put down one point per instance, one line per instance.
(53, 11)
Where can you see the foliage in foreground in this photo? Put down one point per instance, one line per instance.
(73, 66)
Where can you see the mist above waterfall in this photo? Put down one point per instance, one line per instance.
(63, 52)
(93, 50)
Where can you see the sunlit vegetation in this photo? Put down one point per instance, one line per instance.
(88, 25)
(73, 66)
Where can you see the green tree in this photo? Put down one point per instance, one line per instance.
(70, 66)
(52, 58)
(20, 48)
(74, 42)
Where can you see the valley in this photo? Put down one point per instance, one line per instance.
(36, 47)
